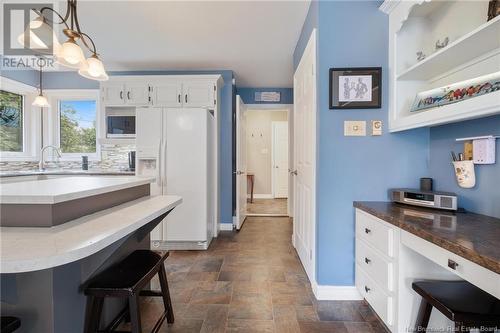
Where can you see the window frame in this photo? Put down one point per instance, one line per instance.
(55, 96)
(31, 122)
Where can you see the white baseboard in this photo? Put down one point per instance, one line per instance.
(225, 226)
(335, 293)
(263, 196)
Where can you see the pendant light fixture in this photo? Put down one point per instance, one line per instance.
(40, 100)
(70, 53)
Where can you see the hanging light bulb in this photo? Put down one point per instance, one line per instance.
(70, 54)
(40, 100)
(93, 69)
(41, 36)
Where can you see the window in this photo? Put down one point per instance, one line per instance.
(11, 122)
(77, 126)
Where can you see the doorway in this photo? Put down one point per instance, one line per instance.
(264, 138)
(267, 149)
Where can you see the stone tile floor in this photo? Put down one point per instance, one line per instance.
(252, 281)
(268, 206)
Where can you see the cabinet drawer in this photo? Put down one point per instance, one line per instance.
(466, 269)
(381, 303)
(375, 233)
(377, 267)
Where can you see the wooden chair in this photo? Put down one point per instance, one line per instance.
(127, 279)
(461, 302)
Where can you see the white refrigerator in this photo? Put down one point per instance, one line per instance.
(178, 147)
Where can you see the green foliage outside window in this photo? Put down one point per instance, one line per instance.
(11, 122)
(78, 126)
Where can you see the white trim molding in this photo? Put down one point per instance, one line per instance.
(270, 107)
(226, 226)
(263, 196)
(335, 293)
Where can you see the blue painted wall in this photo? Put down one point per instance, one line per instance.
(71, 80)
(310, 23)
(248, 95)
(354, 168)
(484, 198)
(28, 76)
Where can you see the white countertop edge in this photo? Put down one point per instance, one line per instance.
(58, 259)
(54, 199)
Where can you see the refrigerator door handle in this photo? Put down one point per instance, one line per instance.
(158, 165)
(164, 164)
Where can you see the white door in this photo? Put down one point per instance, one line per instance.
(241, 164)
(198, 94)
(280, 159)
(148, 127)
(137, 94)
(113, 93)
(167, 94)
(304, 88)
(186, 173)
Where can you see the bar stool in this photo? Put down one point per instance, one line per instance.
(126, 280)
(463, 303)
(9, 324)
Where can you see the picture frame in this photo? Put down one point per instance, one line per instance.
(355, 88)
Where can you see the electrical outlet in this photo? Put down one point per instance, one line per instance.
(376, 127)
(354, 128)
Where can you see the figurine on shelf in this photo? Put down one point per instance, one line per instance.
(440, 45)
(420, 56)
(493, 9)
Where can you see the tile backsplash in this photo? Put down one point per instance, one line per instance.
(113, 158)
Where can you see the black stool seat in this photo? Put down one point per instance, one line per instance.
(459, 301)
(126, 279)
(9, 324)
(128, 276)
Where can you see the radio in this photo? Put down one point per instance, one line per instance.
(430, 199)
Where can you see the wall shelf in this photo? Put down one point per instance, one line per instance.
(478, 42)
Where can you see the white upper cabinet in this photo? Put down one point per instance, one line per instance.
(199, 94)
(163, 91)
(451, 75)
(137, 93)
(167, 94)
(113, 93)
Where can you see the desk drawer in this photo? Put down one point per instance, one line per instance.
(375, 233)
(479, 276)
(377, 267)
(374, 294)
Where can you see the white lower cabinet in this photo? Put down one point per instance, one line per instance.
(377, 247)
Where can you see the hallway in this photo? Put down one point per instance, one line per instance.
(277, 207)
(252, 281)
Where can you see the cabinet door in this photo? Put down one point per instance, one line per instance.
(168, 94)
(148, 132)
(199, 94)
(113, 93)
(137, 94)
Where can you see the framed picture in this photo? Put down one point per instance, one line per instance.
(356, 88)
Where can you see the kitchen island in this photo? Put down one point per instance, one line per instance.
(42, 268)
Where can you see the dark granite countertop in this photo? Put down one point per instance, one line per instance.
(472, 236)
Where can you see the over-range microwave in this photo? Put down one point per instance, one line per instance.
(120, 126)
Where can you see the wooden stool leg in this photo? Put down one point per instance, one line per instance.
(166, 294)
(424, 314)
(135, 315)
(93, 314)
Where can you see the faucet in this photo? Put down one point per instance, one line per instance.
(41, 164)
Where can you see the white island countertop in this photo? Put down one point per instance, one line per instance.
(32, 249)
(52, 191)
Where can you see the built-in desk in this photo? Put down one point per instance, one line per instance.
(397, 244)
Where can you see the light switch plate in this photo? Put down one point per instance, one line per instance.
(354, 128)
(376, 127)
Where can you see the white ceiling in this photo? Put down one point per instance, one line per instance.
(255, 39)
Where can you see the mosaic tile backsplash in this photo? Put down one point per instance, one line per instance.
(113, 158)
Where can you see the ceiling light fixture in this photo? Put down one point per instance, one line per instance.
(40, 100)
(69, 54)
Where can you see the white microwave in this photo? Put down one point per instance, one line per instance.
(120, 126)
